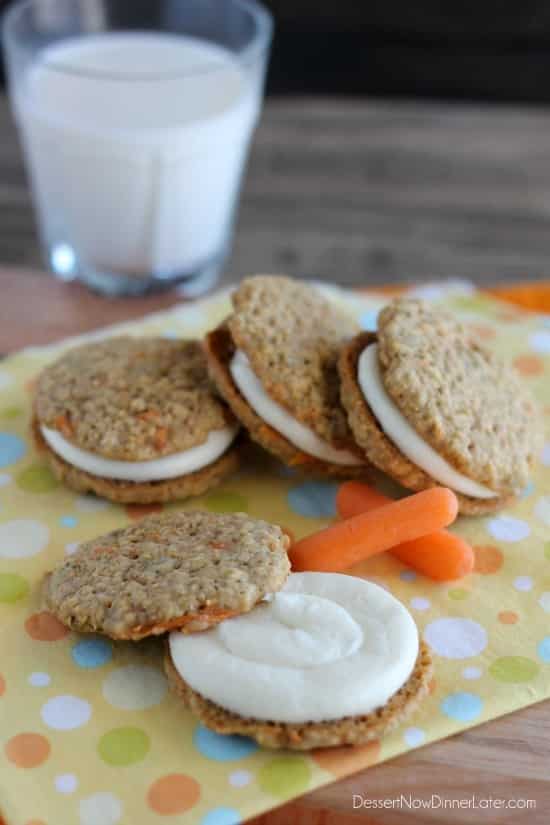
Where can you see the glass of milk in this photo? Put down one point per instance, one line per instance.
(136, 119)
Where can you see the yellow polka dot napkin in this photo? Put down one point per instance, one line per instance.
(88, 732)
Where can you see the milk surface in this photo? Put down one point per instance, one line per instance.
(135, 144)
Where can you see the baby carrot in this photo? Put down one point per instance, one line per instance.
(343, 544)
(441, 555)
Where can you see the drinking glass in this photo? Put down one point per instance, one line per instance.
(136, 121)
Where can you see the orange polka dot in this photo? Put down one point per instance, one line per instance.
(508, 617)
(35, 822)
(509, 315)
(2, 691)
(529, 364)
(173, 794)
(480, 331)
(345, 760)
(488, 559)
(27, 750)
(43, 627)
(30, 384)
(137, 511)
(432, 685)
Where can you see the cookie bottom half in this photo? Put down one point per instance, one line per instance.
(351, 730)
(129, 492)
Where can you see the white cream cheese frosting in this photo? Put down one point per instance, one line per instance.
(297, 433)
(157, 469)
(403, 434)
(325, 647)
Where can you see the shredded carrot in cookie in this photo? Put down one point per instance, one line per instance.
(160, 438)
(62, 422)
(148, 415)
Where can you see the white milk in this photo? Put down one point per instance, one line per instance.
(136, 144)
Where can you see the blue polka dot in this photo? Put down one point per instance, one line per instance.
(221, 816)
(314, 499)
(369, 320)
(94, 652)
(68, 521)
(222, 748)
(12, 448)
(543, 649)
(407, 575)
(528, 490)
(171, 334)
(463, 707)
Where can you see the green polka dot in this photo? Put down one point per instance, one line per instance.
(226, 502)
(12, 587)
(124, 746)
(284, 776)
(547, 550)
(513, 669)
(458, 593)
(36, 479)
(9, 413)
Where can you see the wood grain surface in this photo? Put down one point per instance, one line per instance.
(360, 194)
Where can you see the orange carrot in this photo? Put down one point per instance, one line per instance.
(441, 555)
(357, 538)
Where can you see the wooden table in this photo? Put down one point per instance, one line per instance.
(360, 194)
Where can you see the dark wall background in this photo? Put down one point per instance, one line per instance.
(481, 50)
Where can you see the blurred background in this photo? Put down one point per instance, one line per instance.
(484, 50)
(401, 142)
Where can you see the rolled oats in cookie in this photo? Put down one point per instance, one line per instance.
(274, 361)
(186, 570)
(429, 405)
(134, 419)
(320, 663)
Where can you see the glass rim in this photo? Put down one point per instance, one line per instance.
(258, 46)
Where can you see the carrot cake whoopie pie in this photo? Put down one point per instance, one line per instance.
(134, 420)
(274, 360)
(428, 405)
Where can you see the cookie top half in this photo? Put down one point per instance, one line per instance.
(292, 336)
(186, 570)
(464, 402)
(131, 399)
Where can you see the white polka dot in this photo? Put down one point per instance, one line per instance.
(135, 687)
(90, 504)
(66, 712)
(542, 510)
(100, 809)
(5, 479)
(540, 341)
(66, 783)
(545, 455)
(414, 737)
(523, 583)
(239, 779)
(544, 601)
(6, 380)
(71, 548)
(506, 528)
(22, 538)
(455, 638)
(38, 679)
(472, 673)
(419, 603)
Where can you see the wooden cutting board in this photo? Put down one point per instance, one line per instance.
(508, 758)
